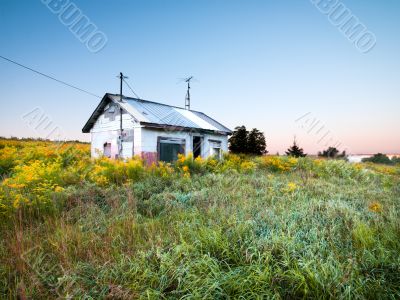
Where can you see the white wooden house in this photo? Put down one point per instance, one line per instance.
(152, 130)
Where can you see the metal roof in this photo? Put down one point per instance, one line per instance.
(150, 113)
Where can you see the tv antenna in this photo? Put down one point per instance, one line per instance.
(187, 98)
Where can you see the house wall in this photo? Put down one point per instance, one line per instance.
(107, 130)
(142, 141)
(150, 137)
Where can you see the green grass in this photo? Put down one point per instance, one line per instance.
(212, 236)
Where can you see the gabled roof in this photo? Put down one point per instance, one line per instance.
(153, 114)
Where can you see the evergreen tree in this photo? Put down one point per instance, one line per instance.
(295, 150)
(238, 140)
(256, 143)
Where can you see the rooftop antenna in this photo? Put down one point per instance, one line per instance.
(187, 98)
(121, 77)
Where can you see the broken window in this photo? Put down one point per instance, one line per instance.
(169, 148)
(111, 110)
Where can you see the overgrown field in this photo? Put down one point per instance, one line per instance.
(248, 228)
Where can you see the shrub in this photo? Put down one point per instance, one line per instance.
(378, 158)
(333, 152)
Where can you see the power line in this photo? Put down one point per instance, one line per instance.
(50, 77)
(136, 95)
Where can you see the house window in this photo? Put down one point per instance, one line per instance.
(107, 150)
(215, 149)
(169, 148)
(111, 110)
(216, 152)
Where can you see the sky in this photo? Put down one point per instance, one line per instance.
(279, 66)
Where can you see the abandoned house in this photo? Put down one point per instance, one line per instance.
(122, 127)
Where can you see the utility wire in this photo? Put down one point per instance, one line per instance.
(136, 95)
(50, 77)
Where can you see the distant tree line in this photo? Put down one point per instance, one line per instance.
(31, 139)
(253, 142)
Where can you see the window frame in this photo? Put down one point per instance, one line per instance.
(215, 144)
(169, 140)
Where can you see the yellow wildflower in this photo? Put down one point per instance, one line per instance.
(199, 159)
(58, 189)
(247, 166)
(18, 200)
(181, 158)
(212, 162)
(291, 187)
(375, 207)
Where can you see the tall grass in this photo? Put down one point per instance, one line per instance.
(238, 229)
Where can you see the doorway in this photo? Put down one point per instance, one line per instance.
(197, 141)
(107, 150)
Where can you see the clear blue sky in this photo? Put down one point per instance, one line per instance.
(259, 63)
